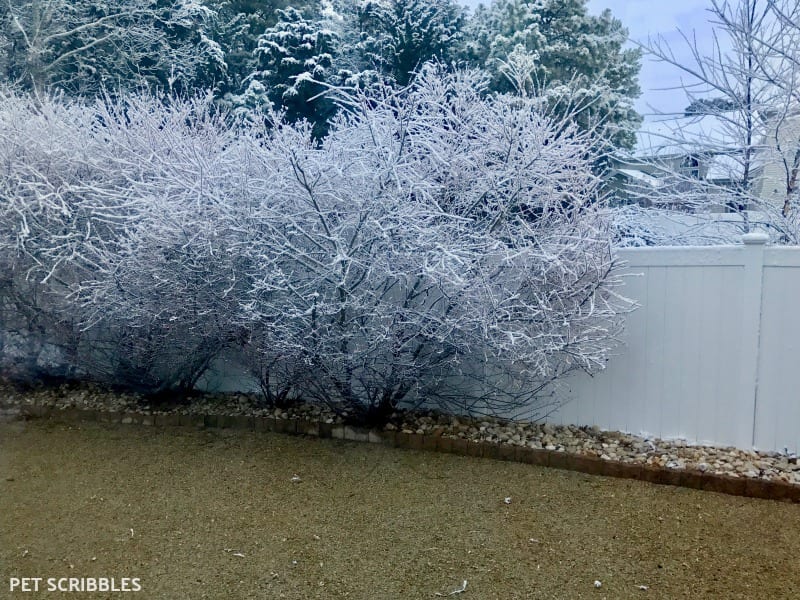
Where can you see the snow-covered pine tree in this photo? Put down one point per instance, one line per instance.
(84, 46)
(578, 58)
(294, 62)
(238, 25)
(407, 33)
(388, 40)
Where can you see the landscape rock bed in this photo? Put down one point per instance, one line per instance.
(587, 449)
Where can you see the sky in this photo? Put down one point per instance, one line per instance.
(654, 18)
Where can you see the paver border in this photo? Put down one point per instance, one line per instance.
(687, 478)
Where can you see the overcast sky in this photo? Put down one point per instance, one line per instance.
(645, 18)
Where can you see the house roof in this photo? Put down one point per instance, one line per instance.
(639, 226)
(681, 135)
(641, 176)
(725, 167)
(717, 168)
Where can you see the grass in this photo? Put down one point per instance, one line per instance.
(174, 507)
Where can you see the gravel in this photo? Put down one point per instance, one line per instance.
(218, 514)
(586, 441)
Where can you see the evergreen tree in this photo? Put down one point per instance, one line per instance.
(294, 61)
(239, 25)
(390, 39)
(576, 59)
(709, 106)
(83, 46)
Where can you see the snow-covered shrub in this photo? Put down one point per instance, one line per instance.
(48, 169)
(110, 232)
(440, 245)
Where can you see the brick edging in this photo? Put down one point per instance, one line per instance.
(725, 484)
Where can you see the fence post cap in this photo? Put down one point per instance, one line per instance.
(756, 238)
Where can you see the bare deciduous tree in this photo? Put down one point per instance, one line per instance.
(747, 84)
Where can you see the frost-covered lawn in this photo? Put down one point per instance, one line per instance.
(202, 514)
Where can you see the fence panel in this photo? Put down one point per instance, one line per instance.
(712, 354)
(777, 415)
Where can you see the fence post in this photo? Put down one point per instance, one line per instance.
(752, 295)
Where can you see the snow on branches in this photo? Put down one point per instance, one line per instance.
(439, 246)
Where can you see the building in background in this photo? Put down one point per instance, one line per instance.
(698, 163)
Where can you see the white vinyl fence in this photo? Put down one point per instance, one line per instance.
(711, 355)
